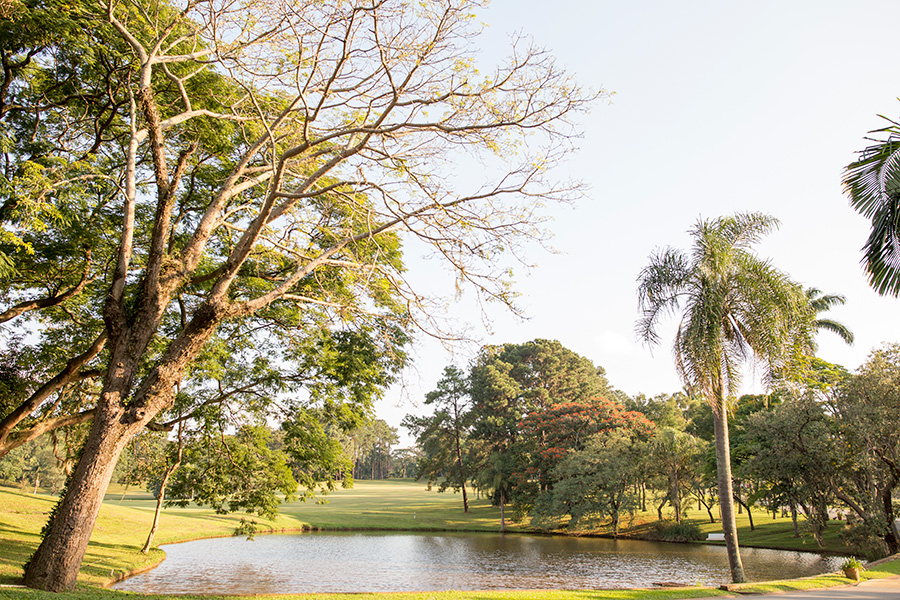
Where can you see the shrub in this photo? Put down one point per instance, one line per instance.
(863, 538)
(667, 531)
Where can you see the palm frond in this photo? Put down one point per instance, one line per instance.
(745, 229)
(734, 306)
(873, 186)
(874, 180)
(837, 328)
(660, 286)
(820, 301)
(882, 250)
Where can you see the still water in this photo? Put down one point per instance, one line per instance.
(393, 562)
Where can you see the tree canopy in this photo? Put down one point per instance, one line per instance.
(223, 178)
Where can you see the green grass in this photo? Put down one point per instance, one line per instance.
(123, 525)
(101, 594)
(877, 570)
(777, 533)
(398, 504)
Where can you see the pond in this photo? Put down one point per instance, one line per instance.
(403, 561)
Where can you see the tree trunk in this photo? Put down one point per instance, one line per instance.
(462, 473)
(726, 494)
(794, 519)
(161, 496)
(119, 416)
(891, 535)
(659, 508)
(676, 497)
(746, 507)
(701, 503)
(502, 515)
(55, 564)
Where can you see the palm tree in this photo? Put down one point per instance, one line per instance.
(873, 184)
(821, 302)
(734, 306)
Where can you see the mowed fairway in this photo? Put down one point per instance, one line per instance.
(398, 504)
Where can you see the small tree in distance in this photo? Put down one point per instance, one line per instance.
(442, 437)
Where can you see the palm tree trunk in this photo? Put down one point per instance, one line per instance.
(726, 493)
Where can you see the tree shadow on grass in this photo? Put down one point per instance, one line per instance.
(101, 561)
(16, 548)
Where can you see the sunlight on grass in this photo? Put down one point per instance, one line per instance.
(124, 522)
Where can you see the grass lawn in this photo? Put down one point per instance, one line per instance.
(124, 522)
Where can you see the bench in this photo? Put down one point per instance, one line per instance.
(715, 537)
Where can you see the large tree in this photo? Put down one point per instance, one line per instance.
(676, 456)
(790, 452)
(442, 436)
(549, 435)
(873, 184)
(207, 166)
(733, 306)
(865, 411)
(509, 382)
(596, 481)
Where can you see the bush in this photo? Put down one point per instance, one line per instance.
(667, 531)
(864, 538)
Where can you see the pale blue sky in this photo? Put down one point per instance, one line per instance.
(719, 107)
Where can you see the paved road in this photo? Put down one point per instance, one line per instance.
(874, 589)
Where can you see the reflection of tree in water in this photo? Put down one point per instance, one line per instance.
(323, 562)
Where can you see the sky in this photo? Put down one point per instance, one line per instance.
(718, 107)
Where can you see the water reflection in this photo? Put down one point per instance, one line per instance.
(383, 562)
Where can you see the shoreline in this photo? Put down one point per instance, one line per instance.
(311, 528)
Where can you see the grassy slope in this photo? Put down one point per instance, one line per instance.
(124, 523)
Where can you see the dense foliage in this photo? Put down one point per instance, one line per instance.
(837, 445)
(188, 182)
(526, 424)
